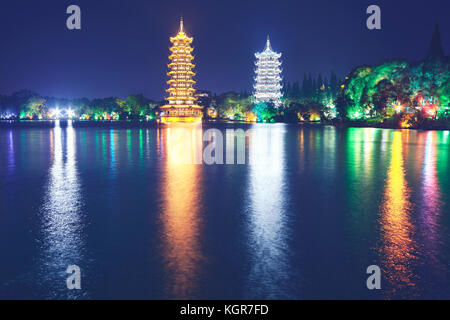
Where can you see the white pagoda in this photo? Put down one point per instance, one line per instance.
(268, 76)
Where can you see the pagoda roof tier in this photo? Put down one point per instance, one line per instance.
(267, 98)
(267, 84)
(180, 88)
(189, 64)
(181, 98)
(266, 74)
(174, 49)
(180, 78)
(265, 67)
(173, 72)
(268, 64)
(267, 92)
(181, 56)
(269, 95)
(181, 37)
(262, 55)
(179, 106)
(268, 79)
(181, 81)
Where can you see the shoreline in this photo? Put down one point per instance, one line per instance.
(144, 123)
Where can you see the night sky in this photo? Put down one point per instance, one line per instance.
(123, 45)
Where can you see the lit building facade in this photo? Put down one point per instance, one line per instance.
(268, 76)
(181, 103)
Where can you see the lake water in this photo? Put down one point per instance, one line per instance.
(305, 221)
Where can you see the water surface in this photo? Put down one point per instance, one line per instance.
(310, 210)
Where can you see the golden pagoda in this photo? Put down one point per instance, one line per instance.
(181, 106)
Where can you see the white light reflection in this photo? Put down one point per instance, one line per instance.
(61, 242)
(267, 226)
(11, 158)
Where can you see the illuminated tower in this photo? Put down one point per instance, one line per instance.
(268, 76)
(181, 104)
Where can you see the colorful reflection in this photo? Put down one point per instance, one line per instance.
(141, 148)
(361, 169)
(181, 220)
(361, 187)
(112, 152)
(430, 208)
(398, 245)
(329, 149)
(130, 158)
(355, 154)
(360, 153)
(443, 159)
(368, 152)
(61, 242)
(267, 209)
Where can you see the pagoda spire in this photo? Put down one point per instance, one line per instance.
(181, 24)
(268, 46)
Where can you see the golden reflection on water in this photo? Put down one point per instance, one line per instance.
(181, 248)
(301, 143)
(398, 248)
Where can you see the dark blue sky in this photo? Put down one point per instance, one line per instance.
(123, 45)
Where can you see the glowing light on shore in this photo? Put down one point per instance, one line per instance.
(70, 113)
(55, 113)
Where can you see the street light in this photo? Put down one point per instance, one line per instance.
(70, 113)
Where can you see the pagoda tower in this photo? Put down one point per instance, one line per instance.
(181, 106)
(268, 76)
